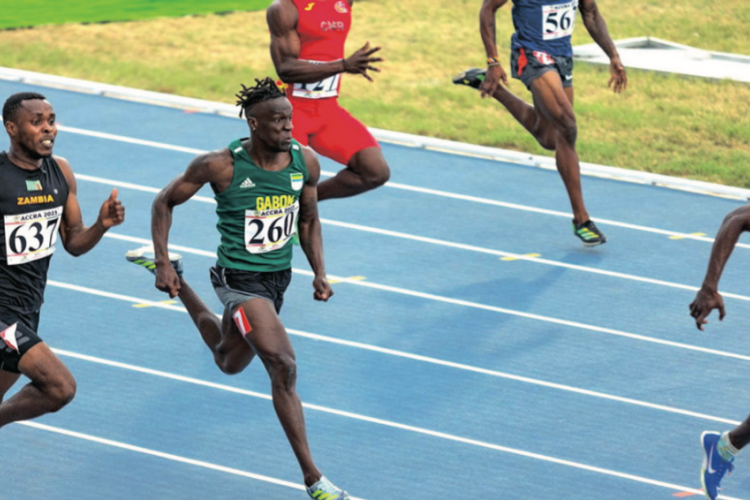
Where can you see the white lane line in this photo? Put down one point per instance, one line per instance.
(160, 454)
(395, 185)
(526, 258)
(385, 423)
(475, 305)
(369, 347)
(461, 246)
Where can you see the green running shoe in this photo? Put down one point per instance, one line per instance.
(589, 234)
(326, 490)
(471, 78)
(146, 257)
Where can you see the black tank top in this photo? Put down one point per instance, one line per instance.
(31, 207)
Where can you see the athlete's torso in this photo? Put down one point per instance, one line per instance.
(31, 208)
(258, 212)
(322, 27)
(544, 25)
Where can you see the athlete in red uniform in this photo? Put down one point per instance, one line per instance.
(307, 48)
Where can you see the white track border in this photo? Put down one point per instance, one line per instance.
(416, 141)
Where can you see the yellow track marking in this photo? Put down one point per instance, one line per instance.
(683, 236)
(353, 278)
(140, 306)
(530, 255)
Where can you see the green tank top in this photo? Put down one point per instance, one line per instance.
(258, 213)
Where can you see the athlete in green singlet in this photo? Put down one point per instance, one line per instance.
(265, 189)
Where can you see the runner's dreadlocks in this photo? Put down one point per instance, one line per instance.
(265, 90)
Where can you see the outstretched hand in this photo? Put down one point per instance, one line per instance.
(362, 60)
(495, 75)
(705, 302)
(619, 79)
(112, 212)
(323, 290)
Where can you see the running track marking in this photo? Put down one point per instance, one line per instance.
(160, 454)
(386, 423)
(434, 241)
(466, 303)
(373, 348)
(446, 194)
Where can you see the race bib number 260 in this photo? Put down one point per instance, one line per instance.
(270, 230)
(31, 236)
(558, 20)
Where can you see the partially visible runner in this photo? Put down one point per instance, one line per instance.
(263, 187)
(38, 201)
(307, 48)
(542, 58)
(719, 449)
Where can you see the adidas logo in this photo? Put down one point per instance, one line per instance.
(247, 183)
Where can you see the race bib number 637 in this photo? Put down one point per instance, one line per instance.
(31, 236)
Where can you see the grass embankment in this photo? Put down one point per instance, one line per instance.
(667, 124)
(26, 13)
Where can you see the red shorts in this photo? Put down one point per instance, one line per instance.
(329, 129)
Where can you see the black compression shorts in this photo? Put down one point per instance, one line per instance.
(528, 65)
(13, 345)
(234, 286)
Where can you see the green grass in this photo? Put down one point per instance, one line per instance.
(666, 124)
(26, 13)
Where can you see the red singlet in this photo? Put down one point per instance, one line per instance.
(319, 121)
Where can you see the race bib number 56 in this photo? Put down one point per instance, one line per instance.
(31, 236)
(558, 20)
(269, 230)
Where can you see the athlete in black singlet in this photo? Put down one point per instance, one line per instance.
(37, 202)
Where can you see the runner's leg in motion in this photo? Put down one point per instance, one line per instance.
(269, 339)
(232, 353)
(51, 388)
(555, 104)
(366, 170)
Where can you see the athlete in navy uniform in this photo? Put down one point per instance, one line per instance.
(37, 202)
(541, 57)
(720, 448)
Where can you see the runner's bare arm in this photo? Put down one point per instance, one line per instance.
(597, 28)
(487, 22)
(77, 238)
(282, 17)
(310, 234)
(213, 168)
(708, 297)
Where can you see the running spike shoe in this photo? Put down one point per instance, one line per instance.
(589, 234)
(714, 466)
(326, 490)
(145, 257)
(471, 77)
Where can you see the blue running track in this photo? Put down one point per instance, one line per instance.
(444, 366)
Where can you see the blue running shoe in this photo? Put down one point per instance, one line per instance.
(326, 490)
(145, 257)
(714, 465)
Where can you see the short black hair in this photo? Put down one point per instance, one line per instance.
(264, 90)
(13, 104)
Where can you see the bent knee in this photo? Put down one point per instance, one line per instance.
(377, 177)
(61, 393)
(547, 141)
(283, 369)
(567, 129)
(231, 364)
